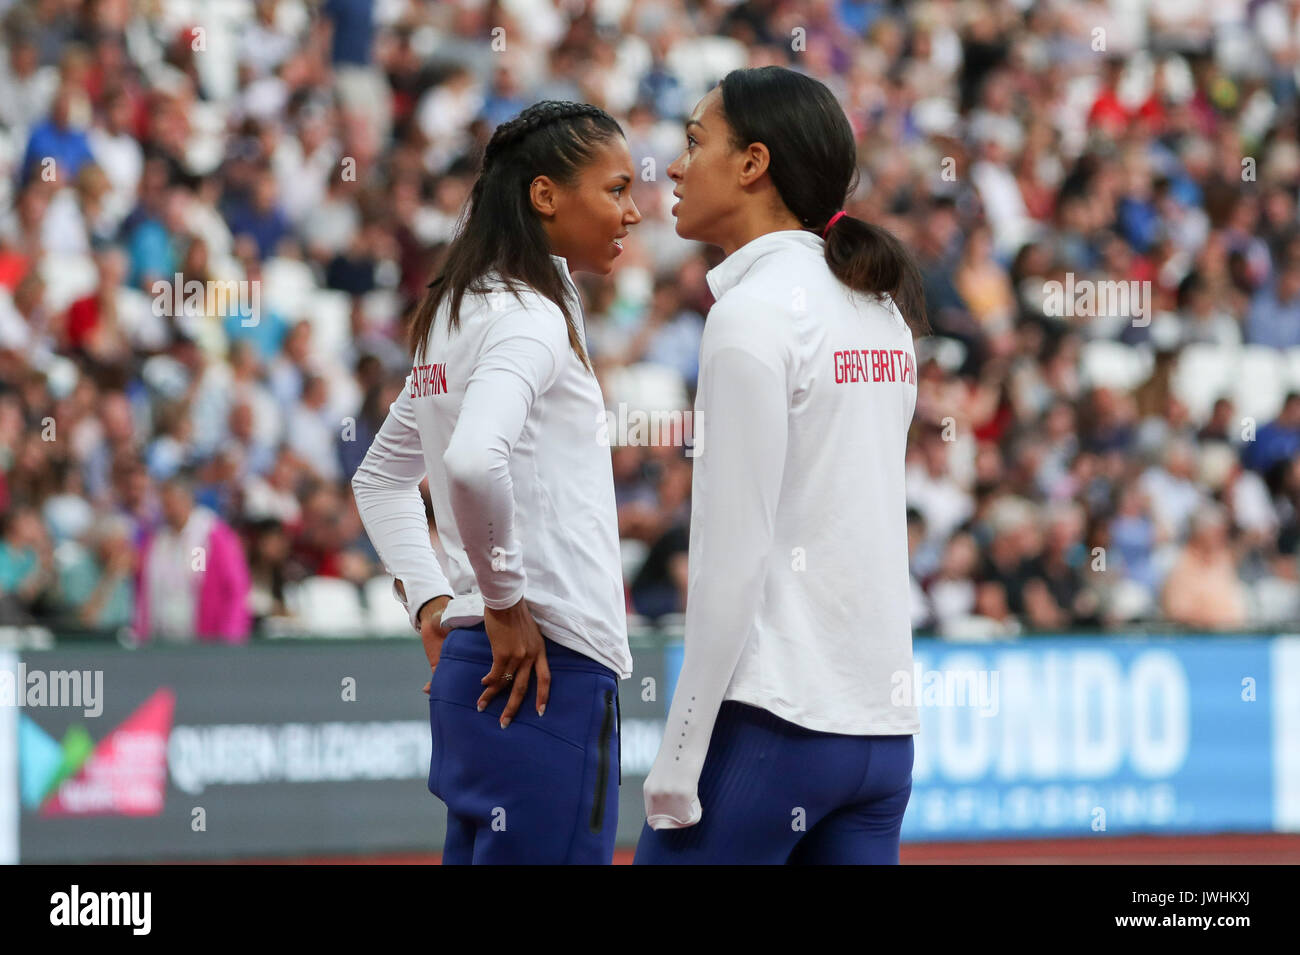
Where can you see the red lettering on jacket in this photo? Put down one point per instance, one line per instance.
(428, 380)
(868, 364)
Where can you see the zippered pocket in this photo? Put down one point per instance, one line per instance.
(602, 765)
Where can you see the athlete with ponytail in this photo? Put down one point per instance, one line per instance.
(525, 630)
(789, 736)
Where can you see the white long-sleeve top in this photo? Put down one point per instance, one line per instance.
(798, 593)
(506, 422)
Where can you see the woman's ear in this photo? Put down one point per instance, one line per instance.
(756, 161)
(542, 194)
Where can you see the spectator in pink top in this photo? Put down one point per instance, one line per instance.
(194, 582)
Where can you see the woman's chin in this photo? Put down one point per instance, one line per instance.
(600, 268)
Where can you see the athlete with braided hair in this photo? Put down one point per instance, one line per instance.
(525, 629)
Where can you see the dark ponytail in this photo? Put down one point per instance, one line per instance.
(814, 168)
(499, 229)
(869, 258)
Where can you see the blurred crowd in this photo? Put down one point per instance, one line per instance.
(1077, 468)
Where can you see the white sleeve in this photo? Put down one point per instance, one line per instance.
(387, 490)
(743, 407)
(521, 357)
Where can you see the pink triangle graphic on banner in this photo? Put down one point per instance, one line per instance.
(126, 775)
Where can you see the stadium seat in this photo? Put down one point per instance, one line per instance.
(67, 278)
(948, 352)
(286, 284)
(1111, 364)
(1292, 361)
(699, 61)
(330, 314)
(327, 607)
(382, 306)
(974, 629)
(1204, 374)
(385, 615)
(1274, 601)
(645, 387)
(1129, 601)
(634, 553)
(1260, 383)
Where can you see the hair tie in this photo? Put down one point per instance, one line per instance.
(834, 219)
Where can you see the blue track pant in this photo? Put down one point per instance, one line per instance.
(542, 790)
(773, 792)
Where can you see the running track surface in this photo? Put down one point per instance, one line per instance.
(1225, 849)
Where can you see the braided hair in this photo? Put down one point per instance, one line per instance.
(499, 230)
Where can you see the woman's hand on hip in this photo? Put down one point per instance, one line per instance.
(518, 651)
(432, 632)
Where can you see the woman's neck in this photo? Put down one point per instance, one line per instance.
(760, 222)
